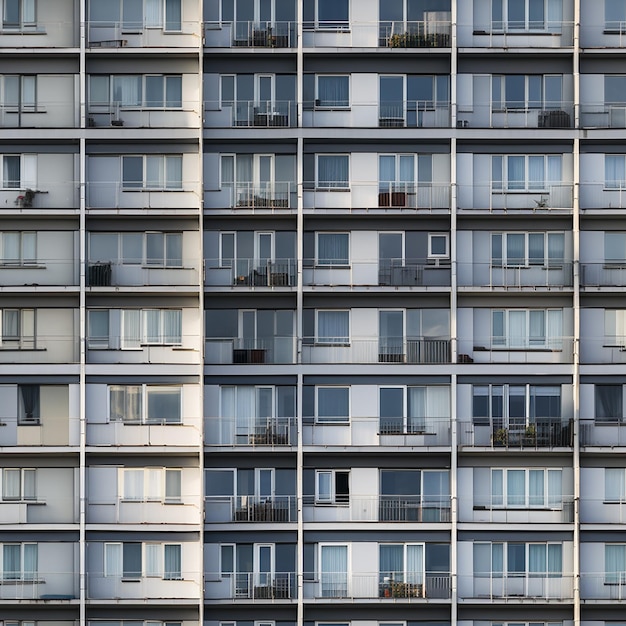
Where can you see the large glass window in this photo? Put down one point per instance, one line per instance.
(609, 403)
(615, 327)
(152, 172)
(19, 561)
(517, 559)
(333, 91)
(405, 410)
(615, 15)
(614, 171)
(150, 404)
(527, 329)
(523, 249)
(332, 486)
(333, 171)
(615, 564)
(332, 404)
(333, 14)
(333, 249)
(525, 172)
(135, 90)
(333, 327)
(523, 91)
(526, 488)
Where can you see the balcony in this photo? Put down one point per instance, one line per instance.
(517, 587)
(484, 511)
(381, 508)
(273, 432)
(186, 115)
(603, 587)
(118, 274)
(249, 196)
(602, 350)
(606, 196)
(55, 509)
(101, 510)
(552, 276)
(602, 434)
(541, 433)
(250, 509)
(114, 195)
(187, 587)
(608, 274)
(413, 114)
(60, 32)
(393, 351)
(602, 511)
(251, 272)
(251, 114)
(374, 431)
(118, 433)
(432, 33)
(57, 271)
(251, 586)
(49, 430)
(542, 33)
(46, 113)
(250, 34)
(603, 34)
(243, 351)
(187, 353)
(602, 115)
(359, 586)
(552, 115)
(47, 195)
(490, 350)
(547, 198)
(110, 34)
(47, 587)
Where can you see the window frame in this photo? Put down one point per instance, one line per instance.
(144, 573)
(26, 321)
(322, 104)
(527, 503)
(143, 103)
(25, 22)
(330, 263)
(504, 106)
(505, 22)
(618, 184)
(27, 167)
(334, 497)
(433, 255)
(506, 185)
(24, 260)
(421, 422)
(506, 571)
(144, 418)
(147, 495)
(332, 341)
(23, 496)
(144, 184)
(527, 341)
(331, 25)
(338, 185)
(118, 257)
(334, 419)
(22, 575)
(508, 261)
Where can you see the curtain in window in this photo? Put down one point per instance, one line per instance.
(537, 559)
(414, 564)
(174, 172)
(556, 248)
(333, 171)
(334, 571)
(536, 172)
(332, 249)
(407, 173)
(29, 247)
(29, 399)
(615, 564)
(516, 172)
(127, 90)
(152, 322)
(164, 405)
(497, 487)
(172, 326)
(173, 15)
(555, 559)
(153, 552)
(417, 409)
(333, 327)
(482, 560)
(30, 561)
(10, 325)
(154, 481)
(11, 561)
(537, 328)
(392, 562)
(172, 558)
(245, 411)
(11, 487)
(555, 176)
(386, 169)
(133, 484)
(155, 172)
(555, 328)
(113, 559)
(11, 247)
(153, 13)
(332, 404)
(515, 249)
(517, 329)
(131, 328)
(555, 488)
(536, 248)
(614, 488)
(173, 485)
(516, 487)
(614, 171)
(11, 172)
(332, 91)
(536, 488)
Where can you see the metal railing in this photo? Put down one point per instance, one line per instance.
(139, 274)
(556, 349)
(413, 114)
(548, 275)
(43, 114)
(537, 434)
(125, 511)
(251, 113)
(251, 431)
(270, 195)
(516, 586)
(183, 195)
(139, 34)
(603, 115)
(251, 272)
(608, 34)
(541, 33)
(251, 586)
(607, 195)
(175, 585)
(518, 115)
(415, 34)
(274, 509)
(184, 114)
(550, 509)
(51, 33)
(607, 274)
(244, 351)
(187, 432)
(250, 34)
(609, 586)
(532, 196)
(601, 432)
(30, 432)
(38, 585)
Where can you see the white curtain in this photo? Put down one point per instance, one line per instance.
(333, 248)
(153, 552)
(154, 14)
(127, 90)
(615, 563)
(536, 172)
(154, 484)
(516, 172)
(614, 487)
(497, 487)
(11, 247)
(11, 561)
(417, 409)
(11, 488)
(333, 327)
(173, 485)
(172, 558)
(227, 414)
(332, 170)
(517, 329)
(536, 488)
(555, 559)
(555, 328)
(614, 170)
(11, 172)
(113, 559)
(133, 484)
(415, 564)
(172, 325)
(131, 328)
(555, 488)
(30, 561)
(173, 172)
(537, 558)
(152, 326)
(516, 487)
(537, 328)
(333, 91)
(155, 172)
(334, 571)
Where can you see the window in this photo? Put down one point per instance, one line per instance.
(398, 172)
(18, 329)
(147, 484)
(615, 564)
(609, 403)
(406, 410)
(527, 329)
(333, 562)
(438, 246)
(19, 93)
(332, 405)
(128, 90)
(332, 91)
(19, 484)
(145, 404)
(152, 172)
(615, 327)
(28, 405)
(517, 559)
(511, 15)
(18, 248)
(134, 560)
(614, 15)
(524, 249)
(332, 487)
(615, 88)
(19, 171)
(333, 327)
(135, 15)
(402, 563)
(526, 488)
(155, 249)
(151, 327)
(19, 561)
(333, 249)
(615, 248)
(526, 173)
(333, 171)
(19, 15)
(519, 91)
(615, 484)
(332, 14)
(614, 171)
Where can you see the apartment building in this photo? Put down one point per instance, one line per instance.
(312, 312)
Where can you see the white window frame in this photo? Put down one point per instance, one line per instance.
(147, 484)
(505, 573)
(27, 96)
(318, 101)
(619, 184)
(506, 185)
(28, 173)
(622, 486)
(505, 24)
(614, 26)
(331, 262)
(339, 419)
(526, 261)
(113, 104)
(22, 575)
(144, 339)
(332, 341)
(342, 25)
(526, 342)
(144, 560)
(348, 572)
(405, 406)
(431, 254)
(24, 258)
(527, 104)
(526, 504)
(144, 183)
(117, 255)
(27, 19)
(336, 185)
(333, 497)
(27, 321)
(23, 496)
(144, 418)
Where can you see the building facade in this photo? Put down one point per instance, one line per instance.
(311, 313)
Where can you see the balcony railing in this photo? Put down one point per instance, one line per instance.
(539, 433)
(602, 511)
(376, 431)
(138, 34)
(607, 196)
(554, 509)
(45, 586)
(410, 587)
(48, 34)
(40, 272)
(603, 586)
(250, 34)
(120, 274)
(114, 114)
(251, 431)
(187, 433)
(414, 34)
(603, 115)
(540, 33)
(611, 34)
(607, 274)
(556, 349)
(55, 196)
(251, 586)
(115, 195)
(269, 195)
(518, 115)
(126, 511)
(413, 114)
(518, 586)
(44, 114)
(251, 114)
(176, 585)
(271, 509)
(251, 272)
(531, 196)
(240, 351)
(603, 349)
(602, 433)
(552, 275)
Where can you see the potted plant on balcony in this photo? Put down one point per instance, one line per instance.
(501, 437)
(530, 435)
